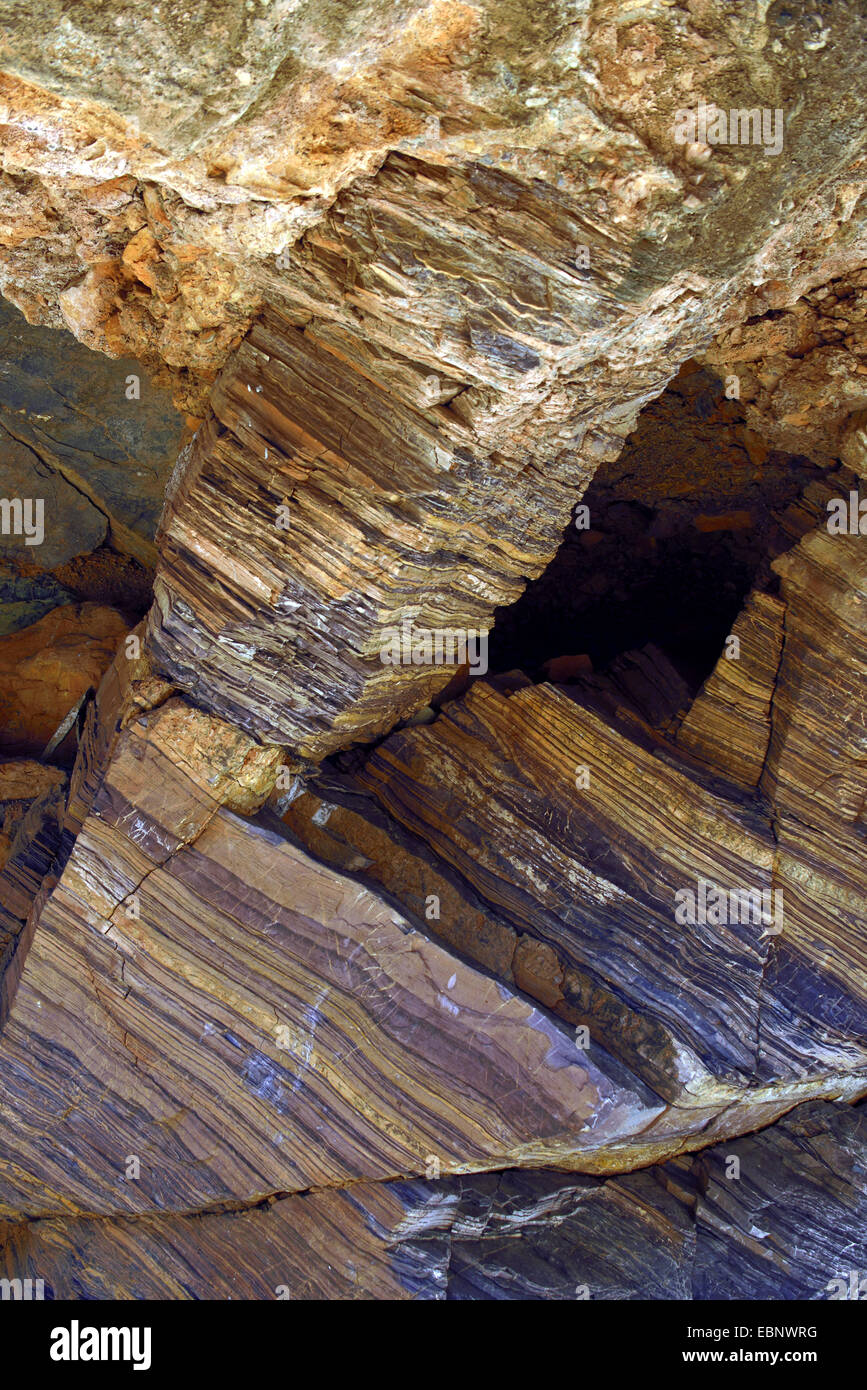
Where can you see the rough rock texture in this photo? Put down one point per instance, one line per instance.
(353, 977)
(788, 1222)
(96, 439)
(181, 154)
(22, 876)
(803, 374)
(728, 725)
(21, 781)
(298, 1003)
(45, 669)
(494, 789)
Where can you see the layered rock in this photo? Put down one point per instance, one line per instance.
(728, 725)
(403, 1024)
(526, 826)
(345, 1043)
(547, 815)
(22, 780)
(199, 966)
(24, 875)
(180, 160)
(780, 1215)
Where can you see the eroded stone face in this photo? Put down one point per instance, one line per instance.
(413, 271)
(184, 153)
(45, 670)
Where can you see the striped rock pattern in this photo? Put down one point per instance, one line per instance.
(192, 966)
(32, 853)
(593, 872)
(556, 838)
(728, 725)
(788, 1222)
(407, 427)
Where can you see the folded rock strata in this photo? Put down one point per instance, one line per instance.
(23, 878)
(196, 962)
(196, 965)
(374, 460)
(288, 998)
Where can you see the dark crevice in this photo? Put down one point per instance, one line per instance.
(680, 528)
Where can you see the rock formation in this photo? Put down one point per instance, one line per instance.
(433, 640)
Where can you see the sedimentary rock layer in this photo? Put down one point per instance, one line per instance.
(728, 726)
(780, 1215)
(31, 855)
(573, 849)
(198, 967)
(22, 780)
(406, 429)
(413, 272)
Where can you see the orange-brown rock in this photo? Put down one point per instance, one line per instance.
(154, 224)
(802, 374)
(21, 782)
(46, 668)
(728, 726)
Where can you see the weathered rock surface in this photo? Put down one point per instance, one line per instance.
(45, 669)
(343, 1023)
(802, 373)
(21, 781)
(94, 439)
(493, 790)
(179, 159)
(780, 1215)
(403, 1022)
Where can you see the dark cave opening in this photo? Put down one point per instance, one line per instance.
(677, 531)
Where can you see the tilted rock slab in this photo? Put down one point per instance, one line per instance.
(554, 824)
(202, 997)
(201, 994)
(728, 725)
(779, 1215)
